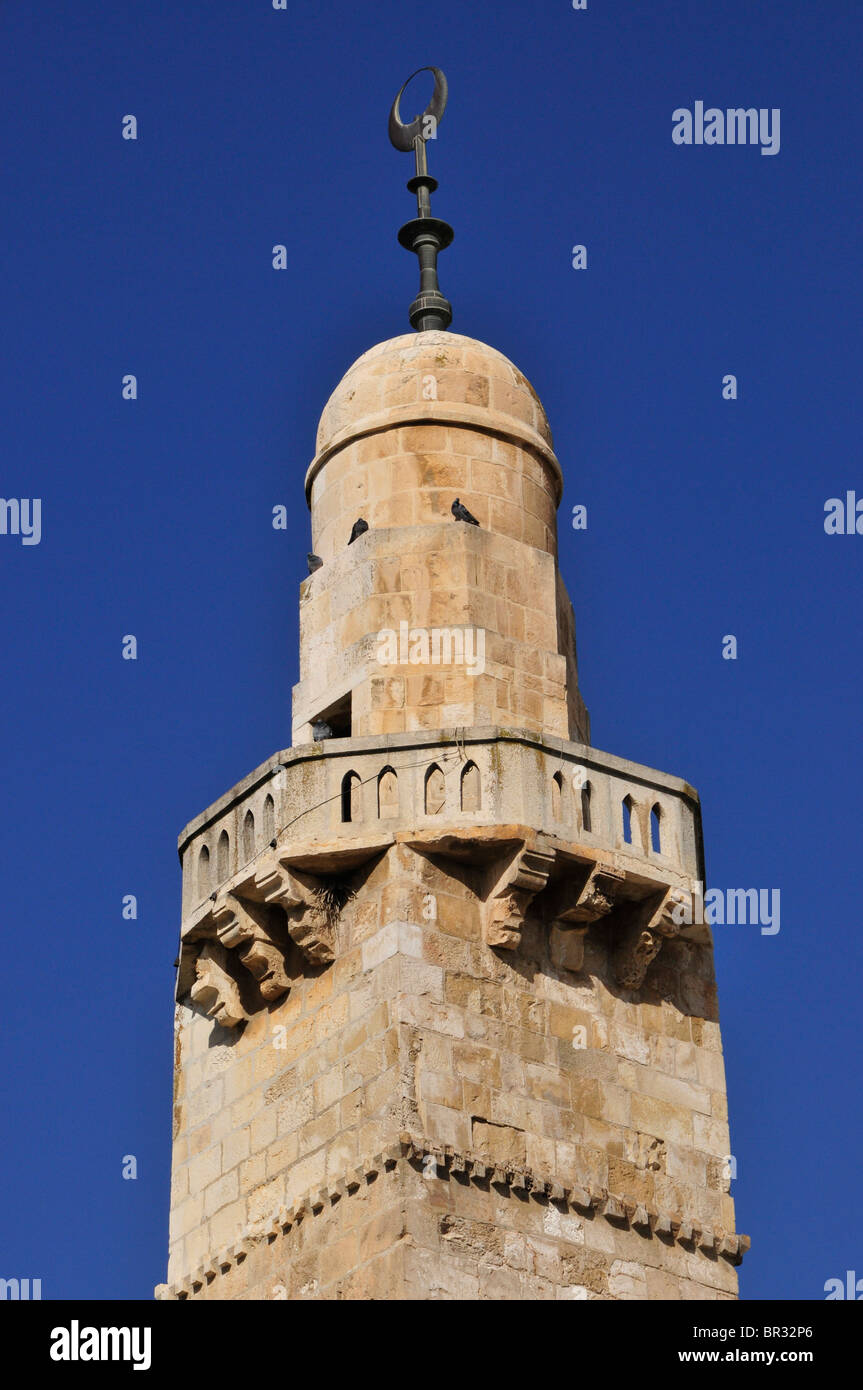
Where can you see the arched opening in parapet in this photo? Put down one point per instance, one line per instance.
(248, 836)
(626, 809)
(203, 872)
(557, 796)
(269, 819)
(223, 850)
(655, 834)
(435, 791)
(585, 807)
(388, 794)
(471, 790)
(350, 796)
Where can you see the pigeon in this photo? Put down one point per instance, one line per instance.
(462, 514)
(321, 730)
(358, 528)
(314, 562)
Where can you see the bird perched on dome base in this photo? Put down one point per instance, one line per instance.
(462, 514)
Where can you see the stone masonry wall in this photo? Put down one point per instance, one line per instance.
(430, 1114)
(452, 577)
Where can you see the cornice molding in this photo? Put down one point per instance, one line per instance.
(462, 1165)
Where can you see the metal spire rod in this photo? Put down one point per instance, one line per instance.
(425, 235)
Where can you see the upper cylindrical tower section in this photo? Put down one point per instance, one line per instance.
(420, 420)
(418, 619)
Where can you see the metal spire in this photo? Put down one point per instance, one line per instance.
(425, 235)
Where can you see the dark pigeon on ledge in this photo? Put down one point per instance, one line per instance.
(321, 730)
(462, 514)
(314, 562)
(359, 527)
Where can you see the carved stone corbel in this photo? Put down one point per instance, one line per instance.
(309, 922)
(314, 933)
(598, 896)
(215, 990)
(635, 951)
(504, 910)
(578, 900)
(641, 934)
(245, 928)
(664, 919)
(272, 883)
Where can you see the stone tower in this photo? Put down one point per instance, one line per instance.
(442, 1028)
(439, 1033)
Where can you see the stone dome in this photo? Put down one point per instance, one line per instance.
(433, 377)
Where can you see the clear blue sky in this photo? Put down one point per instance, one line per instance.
(258, 127)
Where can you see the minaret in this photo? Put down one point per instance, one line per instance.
(446, 1020)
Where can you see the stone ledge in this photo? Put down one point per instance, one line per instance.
(617, 1209)
(472, 417)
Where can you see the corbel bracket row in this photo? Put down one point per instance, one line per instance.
(522, 872)
(581, 893)
(241, 922)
